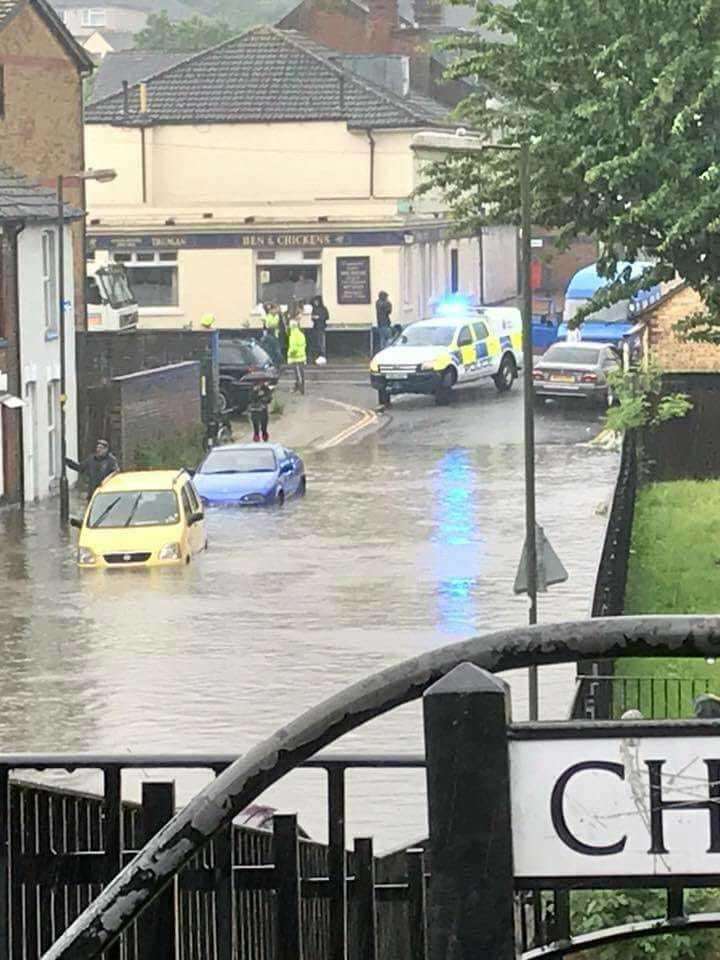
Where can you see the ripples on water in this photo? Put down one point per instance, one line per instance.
(392, 553)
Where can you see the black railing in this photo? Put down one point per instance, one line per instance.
(250, 894)
(591, 700)
(656, 698)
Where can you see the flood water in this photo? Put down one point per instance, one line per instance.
(405, 542)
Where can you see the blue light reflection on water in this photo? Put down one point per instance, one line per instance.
(455, 541)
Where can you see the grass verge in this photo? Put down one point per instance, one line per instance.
(674, 569)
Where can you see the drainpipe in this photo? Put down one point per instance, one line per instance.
(126, 99)
(143, 164)
(371, 141)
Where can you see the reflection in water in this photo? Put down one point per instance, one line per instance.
(455, 526)
(398, 548)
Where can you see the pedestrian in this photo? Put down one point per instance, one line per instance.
(320, 317)
(259, 410)
(297, 354)
(383, 312)
(97, 467)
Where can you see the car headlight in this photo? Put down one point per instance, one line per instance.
(171, 551)
(85, 556)
(428, 365)
(374, 366)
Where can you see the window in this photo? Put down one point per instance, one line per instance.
(465, 337)
(481, 331)
(153, 278)
(50, 291)
(187, 506)
(454, 271)
(288, 283)
(53, 419)
(94, 17)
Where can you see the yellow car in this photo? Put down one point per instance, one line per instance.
(146, 519)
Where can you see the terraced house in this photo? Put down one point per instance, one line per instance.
(41, 76)
(269, 168)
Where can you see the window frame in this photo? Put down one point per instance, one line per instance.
(50, 282)
(93, 17)
(152, 260)
(467, 343)
(478, 326)
(53, 432)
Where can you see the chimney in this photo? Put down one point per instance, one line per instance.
(382, 21)
(428, 14)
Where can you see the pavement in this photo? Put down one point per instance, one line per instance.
(315, 421)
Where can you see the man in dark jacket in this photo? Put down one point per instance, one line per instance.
(96, 467)
(258, 408)
(320, 317)
(383, 312)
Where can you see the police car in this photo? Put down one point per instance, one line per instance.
(459, 344)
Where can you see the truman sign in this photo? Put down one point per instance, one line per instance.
(637, 806)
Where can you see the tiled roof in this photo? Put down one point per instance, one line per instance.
(6, 8)
(267, 75)
(20, 199)
(130, 65)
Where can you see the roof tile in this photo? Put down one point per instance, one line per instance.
(265, 75)
(20, 199)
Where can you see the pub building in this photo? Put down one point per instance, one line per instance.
(234, 189)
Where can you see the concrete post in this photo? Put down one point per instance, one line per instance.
(468, 777)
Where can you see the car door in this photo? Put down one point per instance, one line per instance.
(289, 471)
(467, 369)
(191, 508)
(482, 350)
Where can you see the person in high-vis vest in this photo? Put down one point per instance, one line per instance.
(297, 354)
(207, 321)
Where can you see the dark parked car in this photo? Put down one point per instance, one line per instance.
(578, 370)
(242, 362)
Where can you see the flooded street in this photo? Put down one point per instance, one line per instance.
(407, 540)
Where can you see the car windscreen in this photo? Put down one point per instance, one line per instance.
(239, 461)
(115, 286)
(134, 508)
(572, 356)
(427, 336)
(240, 354)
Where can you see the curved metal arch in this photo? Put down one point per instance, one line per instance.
(628, 931)
(147, 874)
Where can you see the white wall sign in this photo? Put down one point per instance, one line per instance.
(596, 808)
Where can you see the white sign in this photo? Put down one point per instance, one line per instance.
(596, 808)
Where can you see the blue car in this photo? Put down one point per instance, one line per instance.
(250, 474)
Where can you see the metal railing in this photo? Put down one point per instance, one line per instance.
(249, 895)
(657, 698)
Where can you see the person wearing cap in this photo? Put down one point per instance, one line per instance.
(97, 467)
(207, 321)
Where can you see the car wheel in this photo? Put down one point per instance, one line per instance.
(384, 397)
(223, 402)
(443, 394)
(540, 401)
(280, 498)
(302, 489)
(187, 560)
(505, 377)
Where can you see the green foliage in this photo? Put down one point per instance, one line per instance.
(171, 451)
(619, 103)
(185, 36)
(597, 910)
(248, 13)
(640, 401)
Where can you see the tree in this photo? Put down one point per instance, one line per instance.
(185, 36)
(620, 103)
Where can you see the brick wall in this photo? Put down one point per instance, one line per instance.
(671, 353)
(42, 129)
(559, 266)
(103, 356)
(153, 404)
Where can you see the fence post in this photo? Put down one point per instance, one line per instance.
(4, 864)
(157, 926)
(224, 894)
(364, 900)
(287, 884)
(417, 904)
(113, 839)
(337, 863)
(468, 778)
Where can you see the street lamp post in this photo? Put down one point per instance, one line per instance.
(460, 143)
(102, 176)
